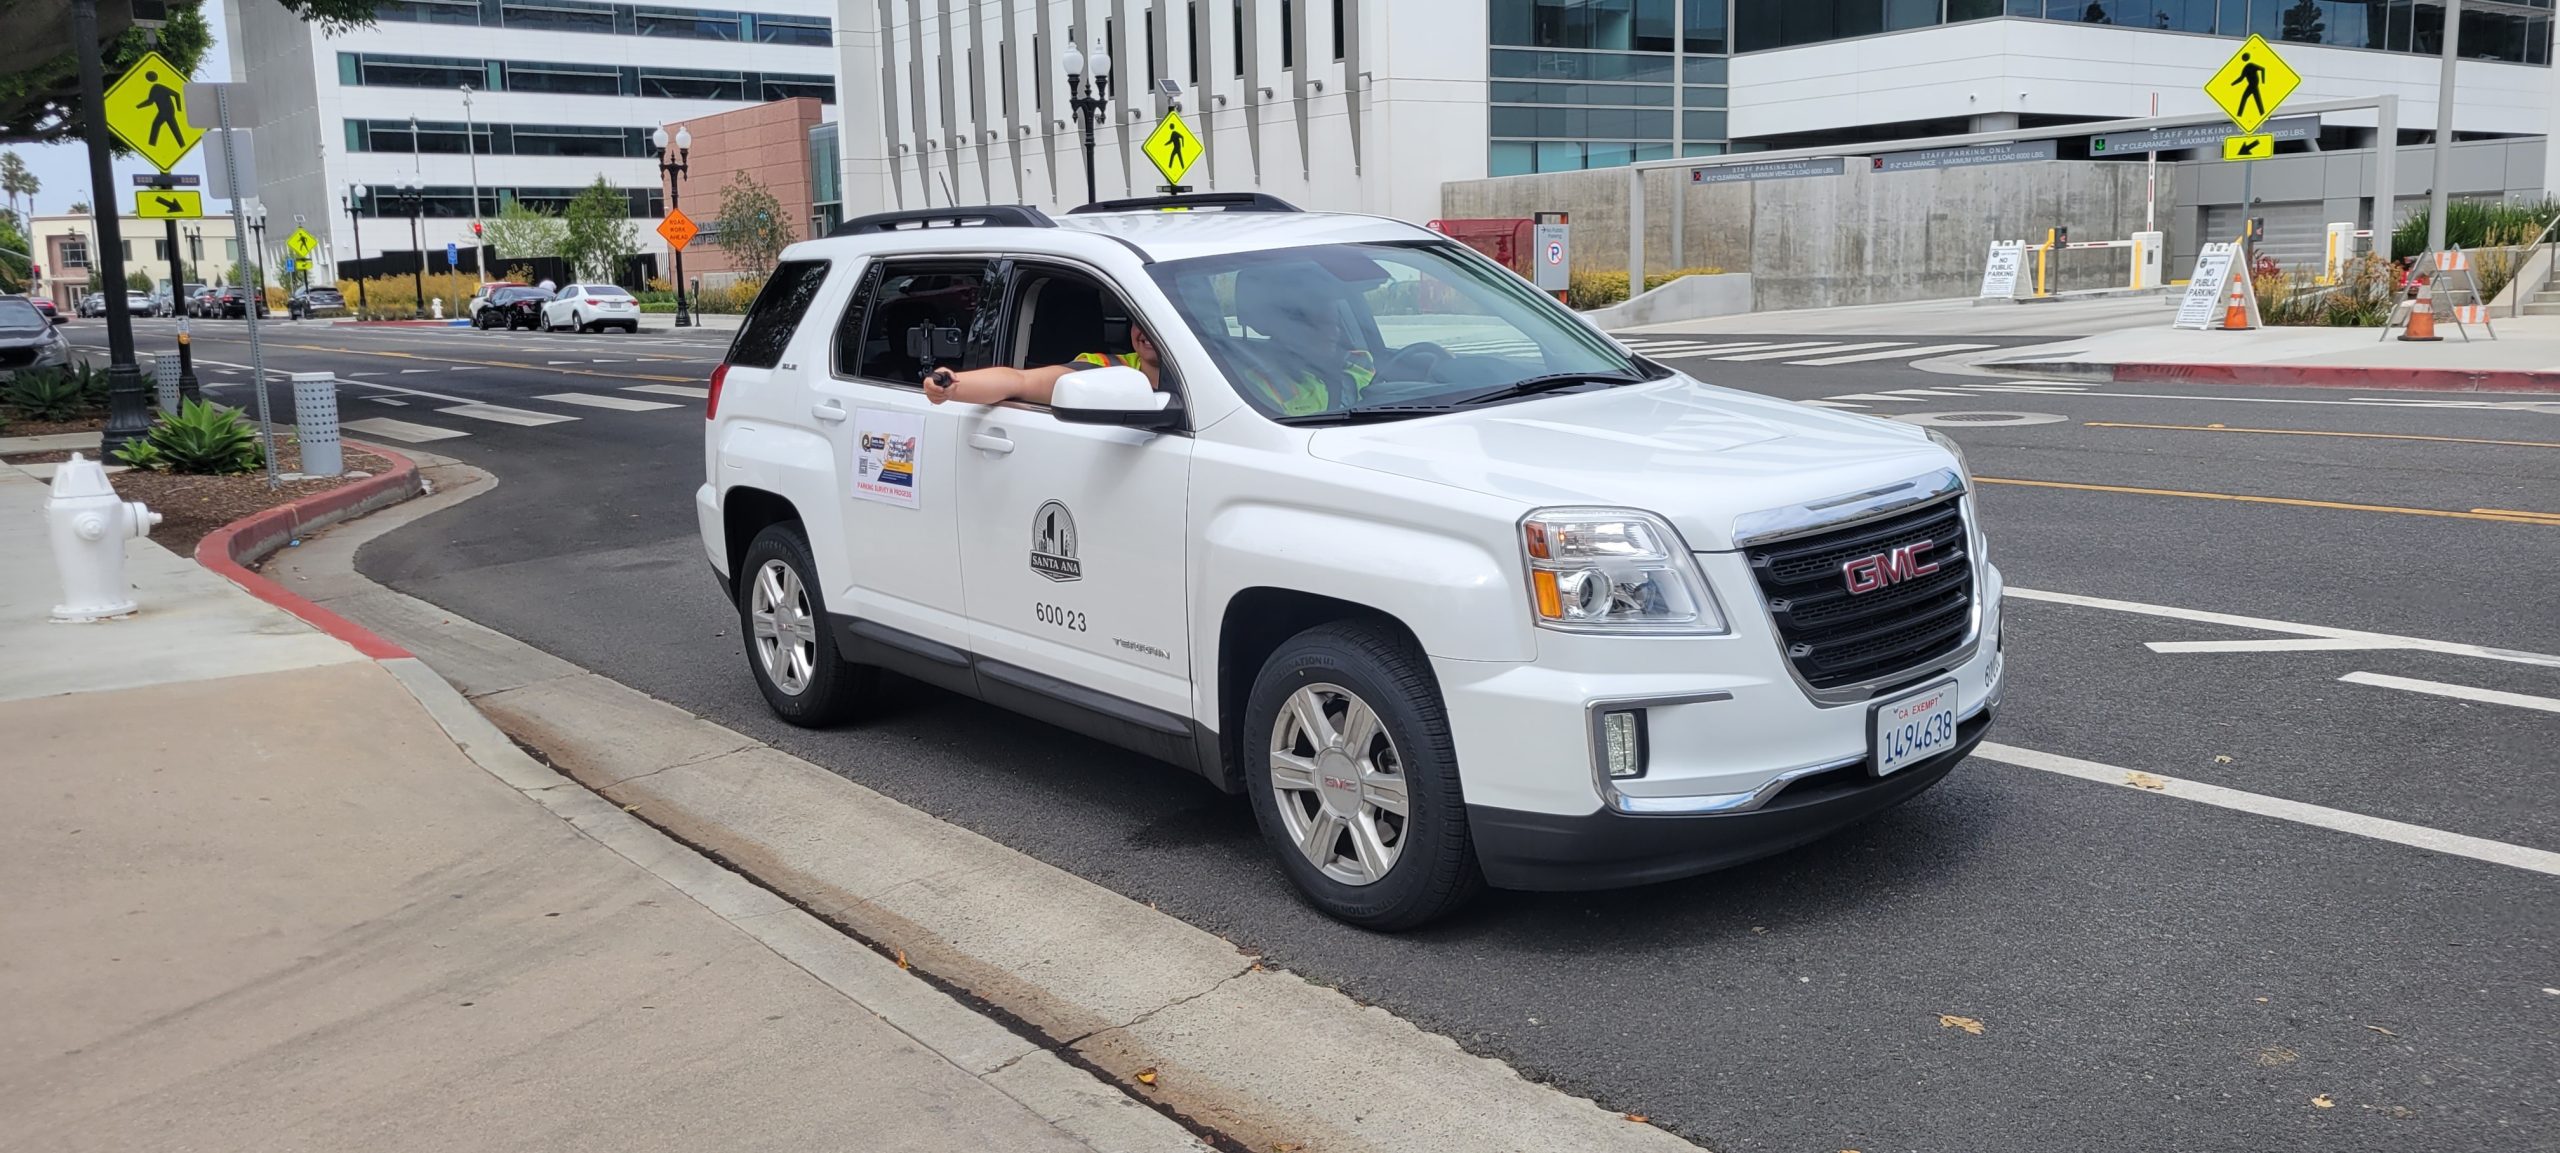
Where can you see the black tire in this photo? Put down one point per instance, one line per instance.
(834, 689)
(1435, 870)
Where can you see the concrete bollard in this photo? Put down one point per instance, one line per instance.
(89, 526)
(315, 420)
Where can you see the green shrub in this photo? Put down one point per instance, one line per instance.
(2471, 224)
(200, 438)
(51, 394)
(1589, 290)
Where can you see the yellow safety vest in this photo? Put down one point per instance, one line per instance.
(1107, 359)
(1309, 395)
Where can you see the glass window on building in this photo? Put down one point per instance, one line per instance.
(785, 86)
(1607, 25)
(813, 31)
(575, 79)
(429, 11)
(558, 15)
(408, 71)
(571, 140)
(826, 180)
(1702, 26)
(685, 23)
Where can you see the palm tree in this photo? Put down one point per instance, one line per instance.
(17, 181)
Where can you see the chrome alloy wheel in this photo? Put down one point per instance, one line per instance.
(1340, 784)
(783, 630)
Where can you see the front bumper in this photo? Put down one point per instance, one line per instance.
(1609, 849)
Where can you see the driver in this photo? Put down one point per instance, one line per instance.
(997, 384)
(1310, 360)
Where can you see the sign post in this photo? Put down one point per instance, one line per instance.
(2249, 88)
(1553, 245)
(1173, 148)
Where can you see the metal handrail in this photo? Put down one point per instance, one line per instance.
(2541, 241)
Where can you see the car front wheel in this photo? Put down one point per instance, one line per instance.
(782, 616)
(1354, 779)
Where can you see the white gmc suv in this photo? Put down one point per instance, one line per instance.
(1454, 588)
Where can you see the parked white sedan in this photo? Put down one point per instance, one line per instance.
(587, 307)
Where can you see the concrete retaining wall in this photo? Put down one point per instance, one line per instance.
(1858, 238)
(1688, 298)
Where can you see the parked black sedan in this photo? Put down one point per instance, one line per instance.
(233, 303)
(315, 301)
(512, 308)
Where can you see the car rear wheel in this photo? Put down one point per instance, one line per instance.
(1354, 779)
(782, 616)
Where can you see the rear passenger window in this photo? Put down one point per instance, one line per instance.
(942, 295)
(776, 314)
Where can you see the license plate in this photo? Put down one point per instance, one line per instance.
(1913, 728)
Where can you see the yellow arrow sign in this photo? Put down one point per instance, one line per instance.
(2252, 84)
(2248, 147)
(168, 203)
(147, 109)
(302, 243)
(1172, 148)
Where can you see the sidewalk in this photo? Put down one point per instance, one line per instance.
(2524, 357)
(268, 893)
(723, 323)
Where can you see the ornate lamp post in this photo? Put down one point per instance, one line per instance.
(671, 170)
(1089, 93)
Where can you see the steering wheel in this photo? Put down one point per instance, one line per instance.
(1414, 361)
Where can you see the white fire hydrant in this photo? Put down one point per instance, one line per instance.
(439, 306)
(89, 526)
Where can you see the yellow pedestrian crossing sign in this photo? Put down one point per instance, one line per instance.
(2252, 84)
(147, 109)
(302, 243)
(1172, 148)
(168, 203)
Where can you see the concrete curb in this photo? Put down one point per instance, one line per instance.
(231, 549)
(1167, 1013)
(448, 322)
(2288, 375)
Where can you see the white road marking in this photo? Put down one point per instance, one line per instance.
(1890, 354)
(1774, 351)
(2262, 624)
(616, 403)
(393, 401)
(2064, 390)
(2318, 816)
(501, 414)
(353, 375)
(1874, 396)
(400, 430)
(1924, 392)
(411, 371)
(1853, 348)
(551, 362)
(2457, 692)
(685, 390)
(1829, 404)
(2285, 645)
(1684, 352)
(2543, 406)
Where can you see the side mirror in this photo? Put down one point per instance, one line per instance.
(1113, 395)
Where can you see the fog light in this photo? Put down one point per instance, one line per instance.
(1622, 744)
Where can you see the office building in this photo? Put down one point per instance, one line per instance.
(551, 93)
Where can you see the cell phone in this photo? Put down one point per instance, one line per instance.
(930, 345)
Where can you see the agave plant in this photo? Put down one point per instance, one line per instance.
(200, 438)
(45, 394)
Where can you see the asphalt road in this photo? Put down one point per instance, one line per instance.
(2147, 971)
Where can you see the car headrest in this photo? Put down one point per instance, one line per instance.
(1287, 301)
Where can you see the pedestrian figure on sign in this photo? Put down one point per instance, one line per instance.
(166, 100)
(2251, 77)
(1173, 147)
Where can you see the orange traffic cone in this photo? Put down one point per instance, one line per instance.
(2235, 311)
(2422, 315)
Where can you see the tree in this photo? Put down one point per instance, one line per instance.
(751, 227)
(40, 102)
(2303, 22)
(522, 230)
(16, 181)
(79, 208)
(597, 233)
(15, 254)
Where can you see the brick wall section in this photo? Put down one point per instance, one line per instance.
(769, 142)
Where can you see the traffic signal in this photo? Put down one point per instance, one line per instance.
(475, 229)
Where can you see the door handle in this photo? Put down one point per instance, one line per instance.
(830, 412)
(995, 442)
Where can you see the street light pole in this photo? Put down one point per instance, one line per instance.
(671, 174)
(2444, 127)
(471, 148)
(418, 273)
(126, 421)
(355, 220)
(1089, 94)
(258, 263)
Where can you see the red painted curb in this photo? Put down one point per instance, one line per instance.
(230, 549)
(2345, 376)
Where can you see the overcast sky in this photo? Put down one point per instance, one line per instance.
(64, 168)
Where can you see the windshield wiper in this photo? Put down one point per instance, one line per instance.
(1365, 412)
(1548, 383)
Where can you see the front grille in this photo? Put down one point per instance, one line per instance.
(17, 357)
(1835, 637)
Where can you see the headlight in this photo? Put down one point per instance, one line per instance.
(1614, 570)
(58, 351)
(1949, 443)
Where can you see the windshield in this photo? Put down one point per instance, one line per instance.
(1308, 332)
(605, 290)
(18, 314)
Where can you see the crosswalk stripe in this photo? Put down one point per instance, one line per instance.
(1829, 404)
(1874, 396)
(684, 390)
(2022, 388)
(392, 401)
(616, 403)
(1774, 351)
(1895, 353)
(400, 430)
(1923, 392)
(1790, 349)
(501, 414)
(1677, 353)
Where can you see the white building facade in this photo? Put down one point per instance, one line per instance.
(561, 93)
(1368, 105)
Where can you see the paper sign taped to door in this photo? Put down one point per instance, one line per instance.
(886, 447)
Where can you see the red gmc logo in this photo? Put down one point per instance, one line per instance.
(1869, 573)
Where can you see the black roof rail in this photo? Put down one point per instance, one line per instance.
(1190, 201)
(980, 216)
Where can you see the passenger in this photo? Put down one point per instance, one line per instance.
(998, 384)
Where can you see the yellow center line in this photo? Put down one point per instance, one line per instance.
(2506, 516)
(497, 364)
(2316, 432)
